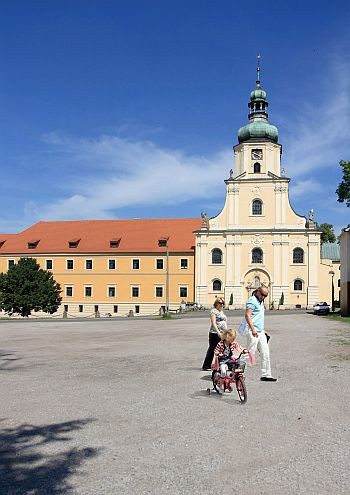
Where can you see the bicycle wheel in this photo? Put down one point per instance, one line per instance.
(241, 389)
(215, 376)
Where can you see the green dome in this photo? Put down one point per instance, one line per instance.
(258, 94)
(258, 129)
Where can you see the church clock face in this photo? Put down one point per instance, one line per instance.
(257, 154)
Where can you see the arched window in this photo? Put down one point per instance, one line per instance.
(257, 168)
(257, 255)
(298, 255)
(257, 207)
(216, 257)
(217, 285)
(298, 284)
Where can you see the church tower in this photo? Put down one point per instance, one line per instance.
(258, 238)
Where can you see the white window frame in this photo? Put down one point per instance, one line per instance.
(46, 260)
(158, 286)
(72, 260)
(67, 287)
(92, 264)
(132, 264)
(92, 290)
(184, 268)
(110, 286)
(160, 259)
(115, 263)
(136, 286)
(183, 287)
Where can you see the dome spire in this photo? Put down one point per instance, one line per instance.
(258, 127)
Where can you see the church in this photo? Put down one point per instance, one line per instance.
(258, 238)
(148, 266)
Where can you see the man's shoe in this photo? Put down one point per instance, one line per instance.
(268, 379)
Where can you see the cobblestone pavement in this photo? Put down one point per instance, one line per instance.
(120, 407)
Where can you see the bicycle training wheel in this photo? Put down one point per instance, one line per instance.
(215, 376)
(241, 389)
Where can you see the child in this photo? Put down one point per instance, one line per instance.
(224, 354)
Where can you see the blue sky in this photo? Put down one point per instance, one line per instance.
(130, 108)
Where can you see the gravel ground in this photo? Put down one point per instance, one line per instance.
(120, 407)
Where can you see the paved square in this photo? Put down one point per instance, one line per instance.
(120, 407)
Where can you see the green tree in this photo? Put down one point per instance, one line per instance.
(26, 287)
(328, 234)
(343, 190)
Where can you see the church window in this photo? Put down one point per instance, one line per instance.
(298, 255)
(257, 207)
(257, 255)
(298, 284)
(216, 257)
(217, 285)
(257, 168)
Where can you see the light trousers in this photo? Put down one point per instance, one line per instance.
(260, 343)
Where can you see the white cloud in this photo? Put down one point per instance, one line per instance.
(301, 188)
(318, 136)
(110, 172)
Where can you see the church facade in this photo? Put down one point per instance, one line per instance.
(258, 238)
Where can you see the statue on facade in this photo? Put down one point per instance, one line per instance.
(311, 215)
(231, 173)
(205, 220)
(283, 172)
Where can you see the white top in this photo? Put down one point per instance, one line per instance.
(221, 320)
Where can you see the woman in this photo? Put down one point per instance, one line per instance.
(218, 323)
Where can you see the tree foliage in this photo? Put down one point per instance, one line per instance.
(26, 287)
(328, 234)
(343, 190)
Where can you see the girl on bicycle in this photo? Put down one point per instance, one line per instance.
(224, 354)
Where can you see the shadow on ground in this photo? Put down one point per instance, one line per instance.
(6, 361)
(26, 467)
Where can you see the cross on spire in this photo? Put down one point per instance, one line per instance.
(258, 71)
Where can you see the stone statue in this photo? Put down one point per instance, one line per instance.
(283, 172)
(311, 215)
(231, 173)
(205, 220)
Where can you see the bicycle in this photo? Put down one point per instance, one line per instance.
(235, 375)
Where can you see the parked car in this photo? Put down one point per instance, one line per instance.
(321, 308)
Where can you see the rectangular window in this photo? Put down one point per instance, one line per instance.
(135, 291)
(65, 308)
(137, 309)
(70, 264)
(184, 263)
(10, 263)
(160, 264)
(69, 291)
(81, 308)
(88, 264)
(115, 309)
(111, 264)
(49, 265)
(88, 291)
(135, 264)
(96, 308)
(183, 291)
(159, 291)
(111, 291)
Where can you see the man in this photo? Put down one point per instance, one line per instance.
(256, 337)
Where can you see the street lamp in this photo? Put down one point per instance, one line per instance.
(332, 273)
(163, 242)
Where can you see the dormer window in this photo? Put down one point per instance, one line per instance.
(163, 242)
(73, 243)
(114, 243)
(33, 243)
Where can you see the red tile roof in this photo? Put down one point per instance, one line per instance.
(138, 236)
